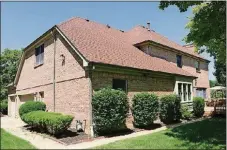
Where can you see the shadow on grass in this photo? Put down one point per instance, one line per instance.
(150, 127)
(208, 133)
(118, 133)
(133, 130)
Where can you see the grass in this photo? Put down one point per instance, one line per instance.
(9, 141)
(206, 134)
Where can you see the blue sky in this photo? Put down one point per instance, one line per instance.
(23, 22)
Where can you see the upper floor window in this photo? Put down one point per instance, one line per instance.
(197, 66)
(120, 84)
(39, 54)
(179, 61)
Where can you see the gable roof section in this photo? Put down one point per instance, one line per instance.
(99, 43)
(140, 34)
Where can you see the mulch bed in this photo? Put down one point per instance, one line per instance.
(71, 136)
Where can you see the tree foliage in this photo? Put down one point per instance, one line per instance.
(9, 63)
(207, 30)
(214, 83)
(220, 72)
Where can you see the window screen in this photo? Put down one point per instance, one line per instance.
(119, 84)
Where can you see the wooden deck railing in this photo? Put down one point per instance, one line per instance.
(220, 107)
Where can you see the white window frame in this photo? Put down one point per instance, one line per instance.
(182, 96)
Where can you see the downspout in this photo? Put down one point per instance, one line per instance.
(54, 72)
(90, 100)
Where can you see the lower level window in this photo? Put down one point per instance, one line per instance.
(119, 84)
(189, 92)
(184, 91)
(201, 92)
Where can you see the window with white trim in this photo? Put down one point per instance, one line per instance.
(184, 91)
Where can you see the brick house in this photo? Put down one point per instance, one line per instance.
(65, 65)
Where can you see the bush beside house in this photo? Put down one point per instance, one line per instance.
(31, 106)
(110, 109)
(186, 114)
(33, 113)
(144, 109)
(170, 108)
(198, 106)
(52, 123)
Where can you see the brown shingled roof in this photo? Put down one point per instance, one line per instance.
(101, 44)
(140, 34)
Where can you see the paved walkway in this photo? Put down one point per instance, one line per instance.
(14, 127)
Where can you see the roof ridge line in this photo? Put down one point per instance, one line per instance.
(63, 22)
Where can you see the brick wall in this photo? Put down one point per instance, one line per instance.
(135, 83)
(72, 86)
(188, 64)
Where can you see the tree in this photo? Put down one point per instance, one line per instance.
(207, 30)
(9, 63)
(220, 72)
(214, 83)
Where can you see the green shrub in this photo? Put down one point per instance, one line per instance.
(110, 108)
(217, 94)
(31, 106)
(144, 109)
(4, 107)
(185, 112)
(52, 123)
(198, 106)
(170, 108)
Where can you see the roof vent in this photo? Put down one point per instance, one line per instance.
(108, 26)
(148, 26)
(87, 20)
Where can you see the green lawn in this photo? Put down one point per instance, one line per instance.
(9, 141)
(207, 134)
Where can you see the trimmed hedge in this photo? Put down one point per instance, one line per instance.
(144, 109)
(4, 107)
(31, 106)
(198, 106)
(170, 108)
(185, 113)
(110, 108)
(52, 123)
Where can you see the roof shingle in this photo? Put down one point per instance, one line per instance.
(101, 44)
